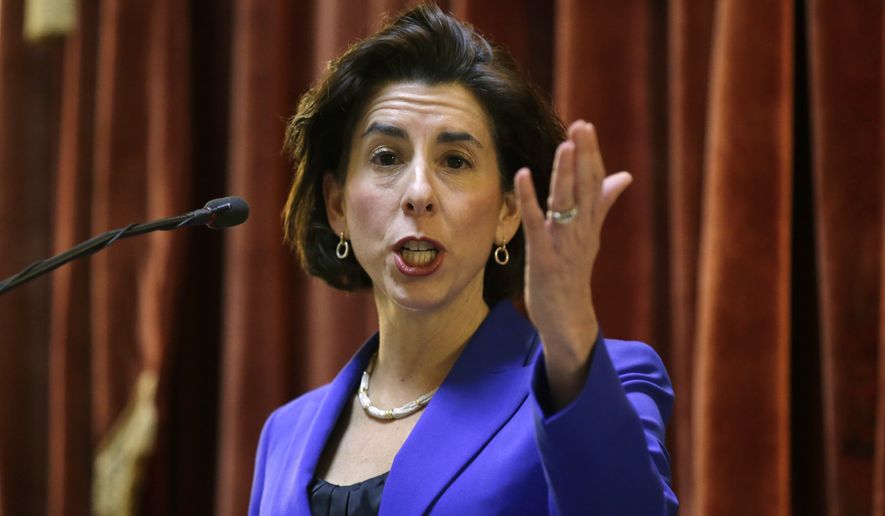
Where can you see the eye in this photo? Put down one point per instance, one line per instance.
(384, 158)
(456, 162)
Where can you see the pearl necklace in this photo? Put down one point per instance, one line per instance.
(392, 413)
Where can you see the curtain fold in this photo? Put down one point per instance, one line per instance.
(879, 465)
(124, 149)
(847, 146)
(741, 415)
(690, 29)
(749, 251)
(29, 84)
(169, 146)
(118, 198)
(259, 346)
(70, 425)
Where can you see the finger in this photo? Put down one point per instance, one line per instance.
(532, 216)
(591, 159)
(573, 129)
(562, 182)
(585, 190)
(612, 188)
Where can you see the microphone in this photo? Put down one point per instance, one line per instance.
(217, 214)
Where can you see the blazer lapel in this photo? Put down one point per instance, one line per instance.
(340, 392)
(485, 387)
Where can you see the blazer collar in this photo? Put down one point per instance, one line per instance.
(485, 387)
(340, 391)
(483, 390)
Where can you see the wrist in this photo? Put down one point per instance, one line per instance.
(567, 366)
(570, 342)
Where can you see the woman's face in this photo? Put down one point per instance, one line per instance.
(422, 202)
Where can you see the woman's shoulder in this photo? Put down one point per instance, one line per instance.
(297, 411)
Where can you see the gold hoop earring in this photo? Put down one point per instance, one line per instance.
(502, 256)
(342, 250)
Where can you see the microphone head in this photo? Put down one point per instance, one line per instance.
(227, 211)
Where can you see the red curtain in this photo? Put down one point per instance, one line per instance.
(749, 251)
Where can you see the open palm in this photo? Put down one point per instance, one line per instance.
(560, 254)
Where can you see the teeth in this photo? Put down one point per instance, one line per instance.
(418, 245)
(418, 258)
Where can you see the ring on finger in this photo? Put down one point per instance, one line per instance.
(563, 217)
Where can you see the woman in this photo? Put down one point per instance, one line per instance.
(406, 183)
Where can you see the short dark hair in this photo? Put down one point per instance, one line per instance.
(428, 46)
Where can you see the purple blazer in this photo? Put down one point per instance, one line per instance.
(486, 444)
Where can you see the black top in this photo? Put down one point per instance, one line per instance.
(360, 499)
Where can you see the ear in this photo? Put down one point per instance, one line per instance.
(509, 217)
(333, 194)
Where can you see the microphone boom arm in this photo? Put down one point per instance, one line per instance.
(204, 215)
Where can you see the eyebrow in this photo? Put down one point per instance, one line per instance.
(389, 130)
(444, 137)
(452, 137)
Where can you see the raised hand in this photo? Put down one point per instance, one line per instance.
(561, 249)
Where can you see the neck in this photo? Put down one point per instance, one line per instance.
(417, 348)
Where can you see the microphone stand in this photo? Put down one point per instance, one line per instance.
(95, 244)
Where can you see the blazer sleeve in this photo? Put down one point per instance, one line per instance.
(605, 450)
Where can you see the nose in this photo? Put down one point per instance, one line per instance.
(419, 198)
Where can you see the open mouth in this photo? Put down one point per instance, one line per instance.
(418, 253)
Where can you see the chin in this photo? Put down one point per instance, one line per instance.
(412, 300)
(427, 297)
(429, 293)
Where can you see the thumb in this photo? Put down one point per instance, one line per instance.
(612, 188)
